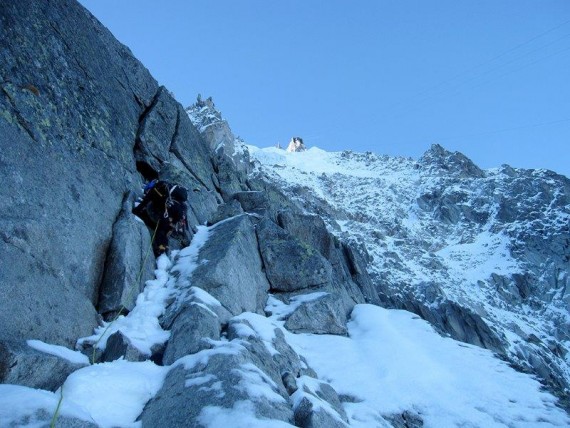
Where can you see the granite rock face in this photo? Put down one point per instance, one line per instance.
(91, 124)
(128, 264)
(289, 264)
(71, 110)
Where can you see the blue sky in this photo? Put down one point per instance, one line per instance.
(488, 78)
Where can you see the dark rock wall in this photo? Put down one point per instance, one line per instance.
(78, 115)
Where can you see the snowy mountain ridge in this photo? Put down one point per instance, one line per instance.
(440, 231)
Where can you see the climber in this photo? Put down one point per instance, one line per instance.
(163, 208)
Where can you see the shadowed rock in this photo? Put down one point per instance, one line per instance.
(289, 264)
(23, 365)
(129, 263)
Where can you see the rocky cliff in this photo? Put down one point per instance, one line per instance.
(484, 256)
(266, 318)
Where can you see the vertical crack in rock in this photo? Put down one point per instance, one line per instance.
(19, 117)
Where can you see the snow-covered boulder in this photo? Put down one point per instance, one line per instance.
(217, 387)
(37, 365)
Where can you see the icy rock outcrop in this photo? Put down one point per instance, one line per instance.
(230, 268)
(193, 389)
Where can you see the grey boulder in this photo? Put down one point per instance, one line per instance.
(223, 379)
(324, 315)
(290, 264)
(229, 267)
(190, 329)
(23, 365)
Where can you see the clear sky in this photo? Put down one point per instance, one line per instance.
(489, 78)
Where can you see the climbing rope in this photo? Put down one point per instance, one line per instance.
(56, 413)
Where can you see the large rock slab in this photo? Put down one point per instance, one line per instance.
(68, 119)
(348, 265)
(323, 315)
(308, 228)
(229, 267)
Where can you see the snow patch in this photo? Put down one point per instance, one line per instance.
(393, 361)
(257, 384)
(114, 393)
(141, 325)
(280, 310)
(75, 357)
(261, 327)
(23, 406)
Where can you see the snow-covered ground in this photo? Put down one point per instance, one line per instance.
(391, 362)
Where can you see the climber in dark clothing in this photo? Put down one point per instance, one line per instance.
(163, 209)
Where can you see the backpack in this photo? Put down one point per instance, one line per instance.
(178, 193)
(167, 191)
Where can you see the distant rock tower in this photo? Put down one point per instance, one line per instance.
(296, 145)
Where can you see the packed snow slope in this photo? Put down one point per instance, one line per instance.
(484, 255)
